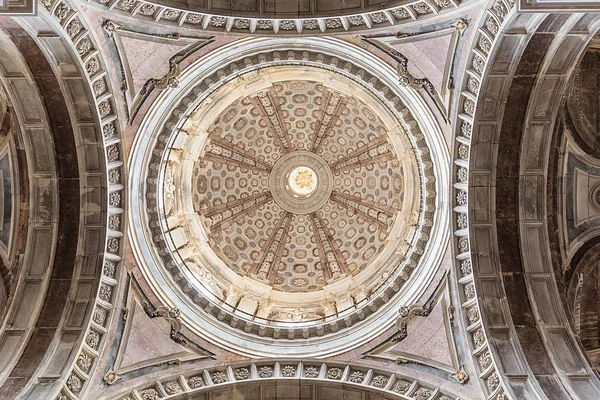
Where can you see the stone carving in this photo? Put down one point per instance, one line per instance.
(74, 28)
(193, 18)
(112, 245)
(150, 394)
(400, 13)
(473, 314)
(84, 362)
(111, 376)
(469, 107)
(219, 377)
(442, 3)
(92, 66)
(406, 314)
(463, 244)
(242, 373)
(218, 21)
(114, 175)
(356, 20)
(473, 86)
(334, 373)
(378, 18)
(114, 222)
(460, 375)
(422, 394)
(380, 381)
(109, 269)
(84, 46)
(463, 151)
(74, 384)
(421, 8)
(479, 338)
(195, 382)
(147, 9)
(108, 131)
(170, 79)
(484, 44)
(311, 371)
(263, 24)
(466, 129)
(356, 377)
(62, 11)
(126, 4)
(172, 388)
(109, 27)
(104, 108)
(401, 386)
(287, 24)
(461, 221)
(466, 268)
(333, 23)
(241, 24)
(485, 360)
(99, 316)
(311, 24)
(461, 198)
(493, 381)
(470, 291)
(171, 14)
(265, 372)
(172, 316)
(478, 65)
(105, 293)
(462, 174)
(288, 371)
(114, 199)
(492, 26)
(460, 25)
(112, 153)
(92, 339)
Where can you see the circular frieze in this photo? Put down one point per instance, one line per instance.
(301, 182)
(284, 196)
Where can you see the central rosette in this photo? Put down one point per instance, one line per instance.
(301, 182)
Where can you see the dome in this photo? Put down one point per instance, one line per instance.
(295, 199)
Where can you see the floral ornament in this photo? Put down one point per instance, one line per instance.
(287, 24)
(461, 174)
(219, 377)
(466, 129)
(461, 221)
(334, 373)
(485, 360)
(265, 372)
(241, 24)
(380, 381)
(74, 384)
(150, 394)
(172, 388)
(460, 375)
(479, 338)
(84, 362)
(92, 339)
(473, 315)
(470, 291)
(466, 267)
(311, 371)
(422, 394)
(111, 376)
(311, 24)
(333, 23)
(493, 381)
(469, 107)
(195, 382)
(264, 24)
(400, 13)
(461, 198)
(193, 18)
(484, 44)
(356, 377)
(401, 386)
(463, 244)
(288, 371)
(217, 21)
(242, 373)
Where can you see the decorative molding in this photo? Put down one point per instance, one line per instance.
(324, 23)
(393, 385)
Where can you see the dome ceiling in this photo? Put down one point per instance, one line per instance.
(298, 186)
(287, 198)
